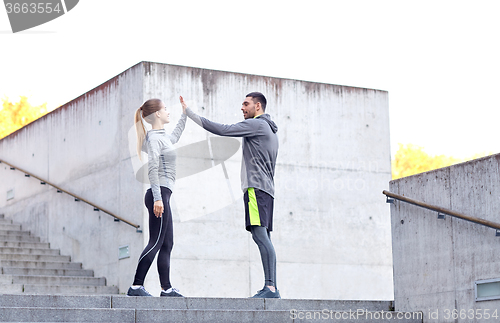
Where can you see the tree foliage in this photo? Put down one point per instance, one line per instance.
(411, 159)
(14, 116)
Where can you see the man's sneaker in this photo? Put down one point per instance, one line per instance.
(171, 292)
(267, 293)
(141, 291)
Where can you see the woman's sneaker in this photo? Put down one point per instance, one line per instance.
(267, 293)
(141, 291)
(171, 292)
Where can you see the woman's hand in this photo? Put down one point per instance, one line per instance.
(184, 105)
(158, 208)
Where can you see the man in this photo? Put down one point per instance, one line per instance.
(260, 149)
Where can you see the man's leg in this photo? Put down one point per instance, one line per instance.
(259, 221)
(268, 255)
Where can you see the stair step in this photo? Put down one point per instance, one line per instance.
(18, 257)
(163, 315)
(26, 314)
(59, 308)
(70, 290)
(9, 288)
(23, 238)
(40, 264)
(6, 226)
(19, 244)
(14, 233)
(58, 301)
(247, 303)
(5, 221)
(45, 272)
(30, 251)
(54, 280)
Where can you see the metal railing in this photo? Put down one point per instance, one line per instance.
(442, 211)
(77, 198)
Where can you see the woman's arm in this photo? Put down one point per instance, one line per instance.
(176, 134)
(153, 165)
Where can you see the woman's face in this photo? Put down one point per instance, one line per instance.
(164, 115)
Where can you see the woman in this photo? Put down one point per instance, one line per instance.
(161, 172)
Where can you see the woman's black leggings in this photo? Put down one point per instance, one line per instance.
(161, 237)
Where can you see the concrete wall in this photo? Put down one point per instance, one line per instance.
(436, 262)
(332, 234)
(83, 148)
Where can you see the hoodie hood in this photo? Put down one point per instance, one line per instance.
(271, 123)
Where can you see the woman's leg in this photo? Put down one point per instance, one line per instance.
(163, 260)
(156, 236)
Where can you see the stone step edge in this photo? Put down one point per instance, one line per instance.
(29, 268)
(41, 245)
(367, 316)
(37, 261)
(32, 251)
(361, 312)
(113, 300)
(36, 271)
(50, 277)
(25, 248)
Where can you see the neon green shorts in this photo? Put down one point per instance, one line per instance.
(258, 208)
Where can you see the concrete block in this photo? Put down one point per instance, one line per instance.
(333, 305)
(357, 316)
(55, 301)
(119, 301)
(70, 290)
(6, 279)
(23, 314)
(215, 316)
(197, 303)
(247, 304)
(9, 288)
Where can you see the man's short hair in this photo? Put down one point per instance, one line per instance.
(258, 97)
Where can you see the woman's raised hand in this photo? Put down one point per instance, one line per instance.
(184, 105)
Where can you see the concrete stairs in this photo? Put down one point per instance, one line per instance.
(29, 266)
(118, 308)
(37, 284)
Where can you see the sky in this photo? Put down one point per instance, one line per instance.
(439, 60)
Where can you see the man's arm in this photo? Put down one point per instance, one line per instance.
(244, 128)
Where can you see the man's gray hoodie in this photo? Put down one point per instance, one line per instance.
(260, 148)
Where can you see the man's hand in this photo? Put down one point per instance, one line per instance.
(158, 208)
(184, 105)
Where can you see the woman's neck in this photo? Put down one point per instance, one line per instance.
(158, 126)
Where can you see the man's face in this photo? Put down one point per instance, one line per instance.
(248, 108)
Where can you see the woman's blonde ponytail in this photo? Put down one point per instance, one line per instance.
(140, 130)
